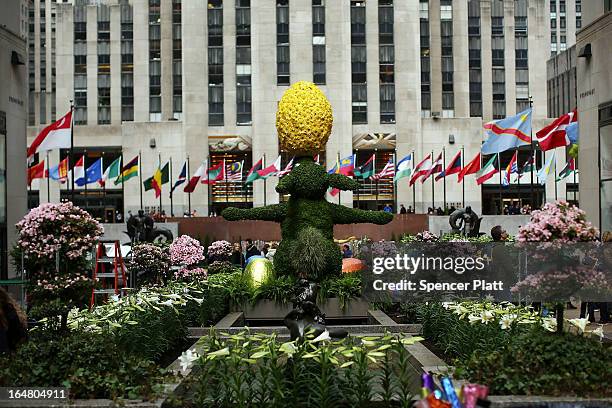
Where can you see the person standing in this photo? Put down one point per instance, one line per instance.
(251, 250)
(402, 209)
(346, 251)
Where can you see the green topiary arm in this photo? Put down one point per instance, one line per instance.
(346, 215)
(342, 182)
(275, 212)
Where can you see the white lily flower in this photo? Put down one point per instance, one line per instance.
(486, 316)
(187, 359)
(115, 298)
(166, 302)
(322, 336)
(549, 324)
(473, 318)
(580, 323)
(506, 321)
(598, 332)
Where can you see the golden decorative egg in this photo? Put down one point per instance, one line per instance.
(304, 119)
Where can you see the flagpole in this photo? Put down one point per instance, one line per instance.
(243, 183)
(433, 192)
(48, 178)
(555, 176)
(208, 186)
(444, 169)
(414, 185)
(71, 159)
(394, 183)
(104, 184)
(225, 178)
(140, 177)
(338, 170)
(171, 190)
(462, 182)
(575, 170)
(160, 181)
(188, 194)
(533, 165)
(376, 180)
(265, 178)
(85, 173)
(359, 187)
(501, 204)
(518, 180)
(122, 187)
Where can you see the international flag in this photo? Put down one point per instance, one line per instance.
(556, 134)
(147, 184)
(387, 171)
(347, 165)
(505, 179)
(253, 174)
(130, 170)
(59, 172)
(93, 174)
(472, 167)
(528, 167)
(404, 168)
(161, 177)
(234, 171)
(55, 136)
(421, 169)
(512, 167)
(573, 132)
(316, 159)
(37, 171)
(549, 167)
(195, 179)
(366, 170)
(112, 171)
(569, 168)
(271, 170)
(508, 133)
(215, 173)
(335, 169)
(453, 167)
(181, 178)
(488, 171)
(436, 167)
(78, 172)
(287, 169)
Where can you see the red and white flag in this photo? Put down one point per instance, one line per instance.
(472, 167)
(54, 136)
(271, 170)
(78, 171)
(195, 179)
(387, 171)
(287, 169)
(555, 134)
(436, 167)
(35, 172)
(421, 169)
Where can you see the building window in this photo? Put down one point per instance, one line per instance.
(215, 63)
(127, 63)
(282, 42)
(386, 61)
(243, 62)
(475, 63)
(104, 114)
(358, 62)
(80, 65)
(318, 41)
(177, 69)
(446, 37)
(499, 93)
(425, 66)
(154, 61)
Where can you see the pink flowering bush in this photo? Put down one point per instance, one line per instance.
(190, 275)
(56, 229)
(425, 236)
(185, 251)
(559, 221)
(220, 251)
(150, 263)
(53, 242)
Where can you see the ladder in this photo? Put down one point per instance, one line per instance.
(106, 268)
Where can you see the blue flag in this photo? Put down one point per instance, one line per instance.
(508, 133)
(92, 174)
(181, 178)
(572, 132)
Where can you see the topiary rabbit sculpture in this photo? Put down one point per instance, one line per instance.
(307, 249)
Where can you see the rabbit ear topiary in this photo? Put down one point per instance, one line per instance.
(307, 220)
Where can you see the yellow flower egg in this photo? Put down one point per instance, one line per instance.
(304, 119)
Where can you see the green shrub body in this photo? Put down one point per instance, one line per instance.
(307, 221)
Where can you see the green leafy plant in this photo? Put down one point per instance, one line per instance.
(345, 288)
(280, 289)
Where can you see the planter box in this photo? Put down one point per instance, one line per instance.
(271, 310)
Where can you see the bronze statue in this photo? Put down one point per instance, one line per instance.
(141, 228)
(465, 221)
(306, 314)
